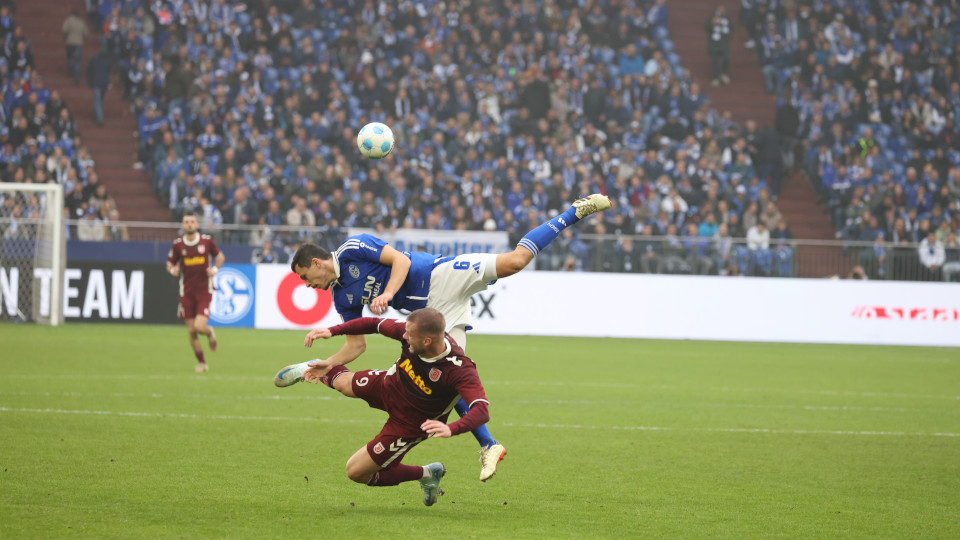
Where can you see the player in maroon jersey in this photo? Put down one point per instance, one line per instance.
(418, 392)
(195, 258)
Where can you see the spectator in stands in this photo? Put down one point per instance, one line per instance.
(758, 244)
(116, 230)
(673, 260)
(718, 29)
(74, 33)
(98, 78)
(951, 268)
(932, 256)
(91, 228)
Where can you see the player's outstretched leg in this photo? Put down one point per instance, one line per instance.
(490, 456)
(430, 483)
(491, 452)
(212, 339)
(540, 237)
(291, 374)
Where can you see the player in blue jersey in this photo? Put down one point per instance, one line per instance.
(365, 270)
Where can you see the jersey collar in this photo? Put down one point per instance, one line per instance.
(195, 242)
(445, 352)
(336, 266)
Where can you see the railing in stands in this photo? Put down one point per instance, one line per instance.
(621, 253)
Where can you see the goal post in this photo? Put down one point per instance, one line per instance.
(33, 252)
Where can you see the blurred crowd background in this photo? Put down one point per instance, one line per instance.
(507, 111)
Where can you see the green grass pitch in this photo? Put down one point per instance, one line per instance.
(106, 432)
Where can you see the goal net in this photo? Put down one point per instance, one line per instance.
(32, 252)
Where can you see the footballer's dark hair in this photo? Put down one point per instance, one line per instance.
(306, 254)
(429, 321)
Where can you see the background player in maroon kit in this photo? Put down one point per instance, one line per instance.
(418, 392)
(190, 258)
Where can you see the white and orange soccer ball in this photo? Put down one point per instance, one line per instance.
(375, 140)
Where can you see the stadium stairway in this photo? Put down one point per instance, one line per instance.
(113, 147)
(745, 98)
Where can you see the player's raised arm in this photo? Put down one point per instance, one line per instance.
(353, 331)
(352, 348)
(399, 267)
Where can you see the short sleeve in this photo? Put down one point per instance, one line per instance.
(362, 247)
(173, 256)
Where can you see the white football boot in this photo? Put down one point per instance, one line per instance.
(291, 374)
(431, 484)
(591, 204)
(490, 456)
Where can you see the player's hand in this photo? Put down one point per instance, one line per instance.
(316, 333)
(436, 428)
(316, 371)
(174, 271)
(381, 303)
(212, 271)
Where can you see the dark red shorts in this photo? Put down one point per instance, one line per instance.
(195, 304)
(396, 437)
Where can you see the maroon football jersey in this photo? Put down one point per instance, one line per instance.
(415, 389)
(194, 259)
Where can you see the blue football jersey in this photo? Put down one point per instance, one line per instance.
(363, 277)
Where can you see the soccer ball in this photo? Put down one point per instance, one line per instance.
(375, 140)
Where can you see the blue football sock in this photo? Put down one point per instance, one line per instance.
(541, 237)
(482, 434)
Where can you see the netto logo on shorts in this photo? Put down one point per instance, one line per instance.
(233, 297)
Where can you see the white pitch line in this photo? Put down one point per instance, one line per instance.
(172, 396)
(738, 430)
(241, 378)
(847, 393)
(289, 397)
(183, 415)
(506, 424)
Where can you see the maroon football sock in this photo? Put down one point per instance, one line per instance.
(199, 355)
(396, 474)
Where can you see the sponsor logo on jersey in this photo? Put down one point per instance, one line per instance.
(233, 298)
(354, 271)
(194, 261)
(378, 448)
(434, 374)
(371, 290)
(407, 368)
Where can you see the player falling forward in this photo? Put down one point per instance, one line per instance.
(190, 258)
(366, 270)
(417, 392)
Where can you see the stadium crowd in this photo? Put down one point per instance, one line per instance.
(504, 113)
(870, 91)
(39, 143)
